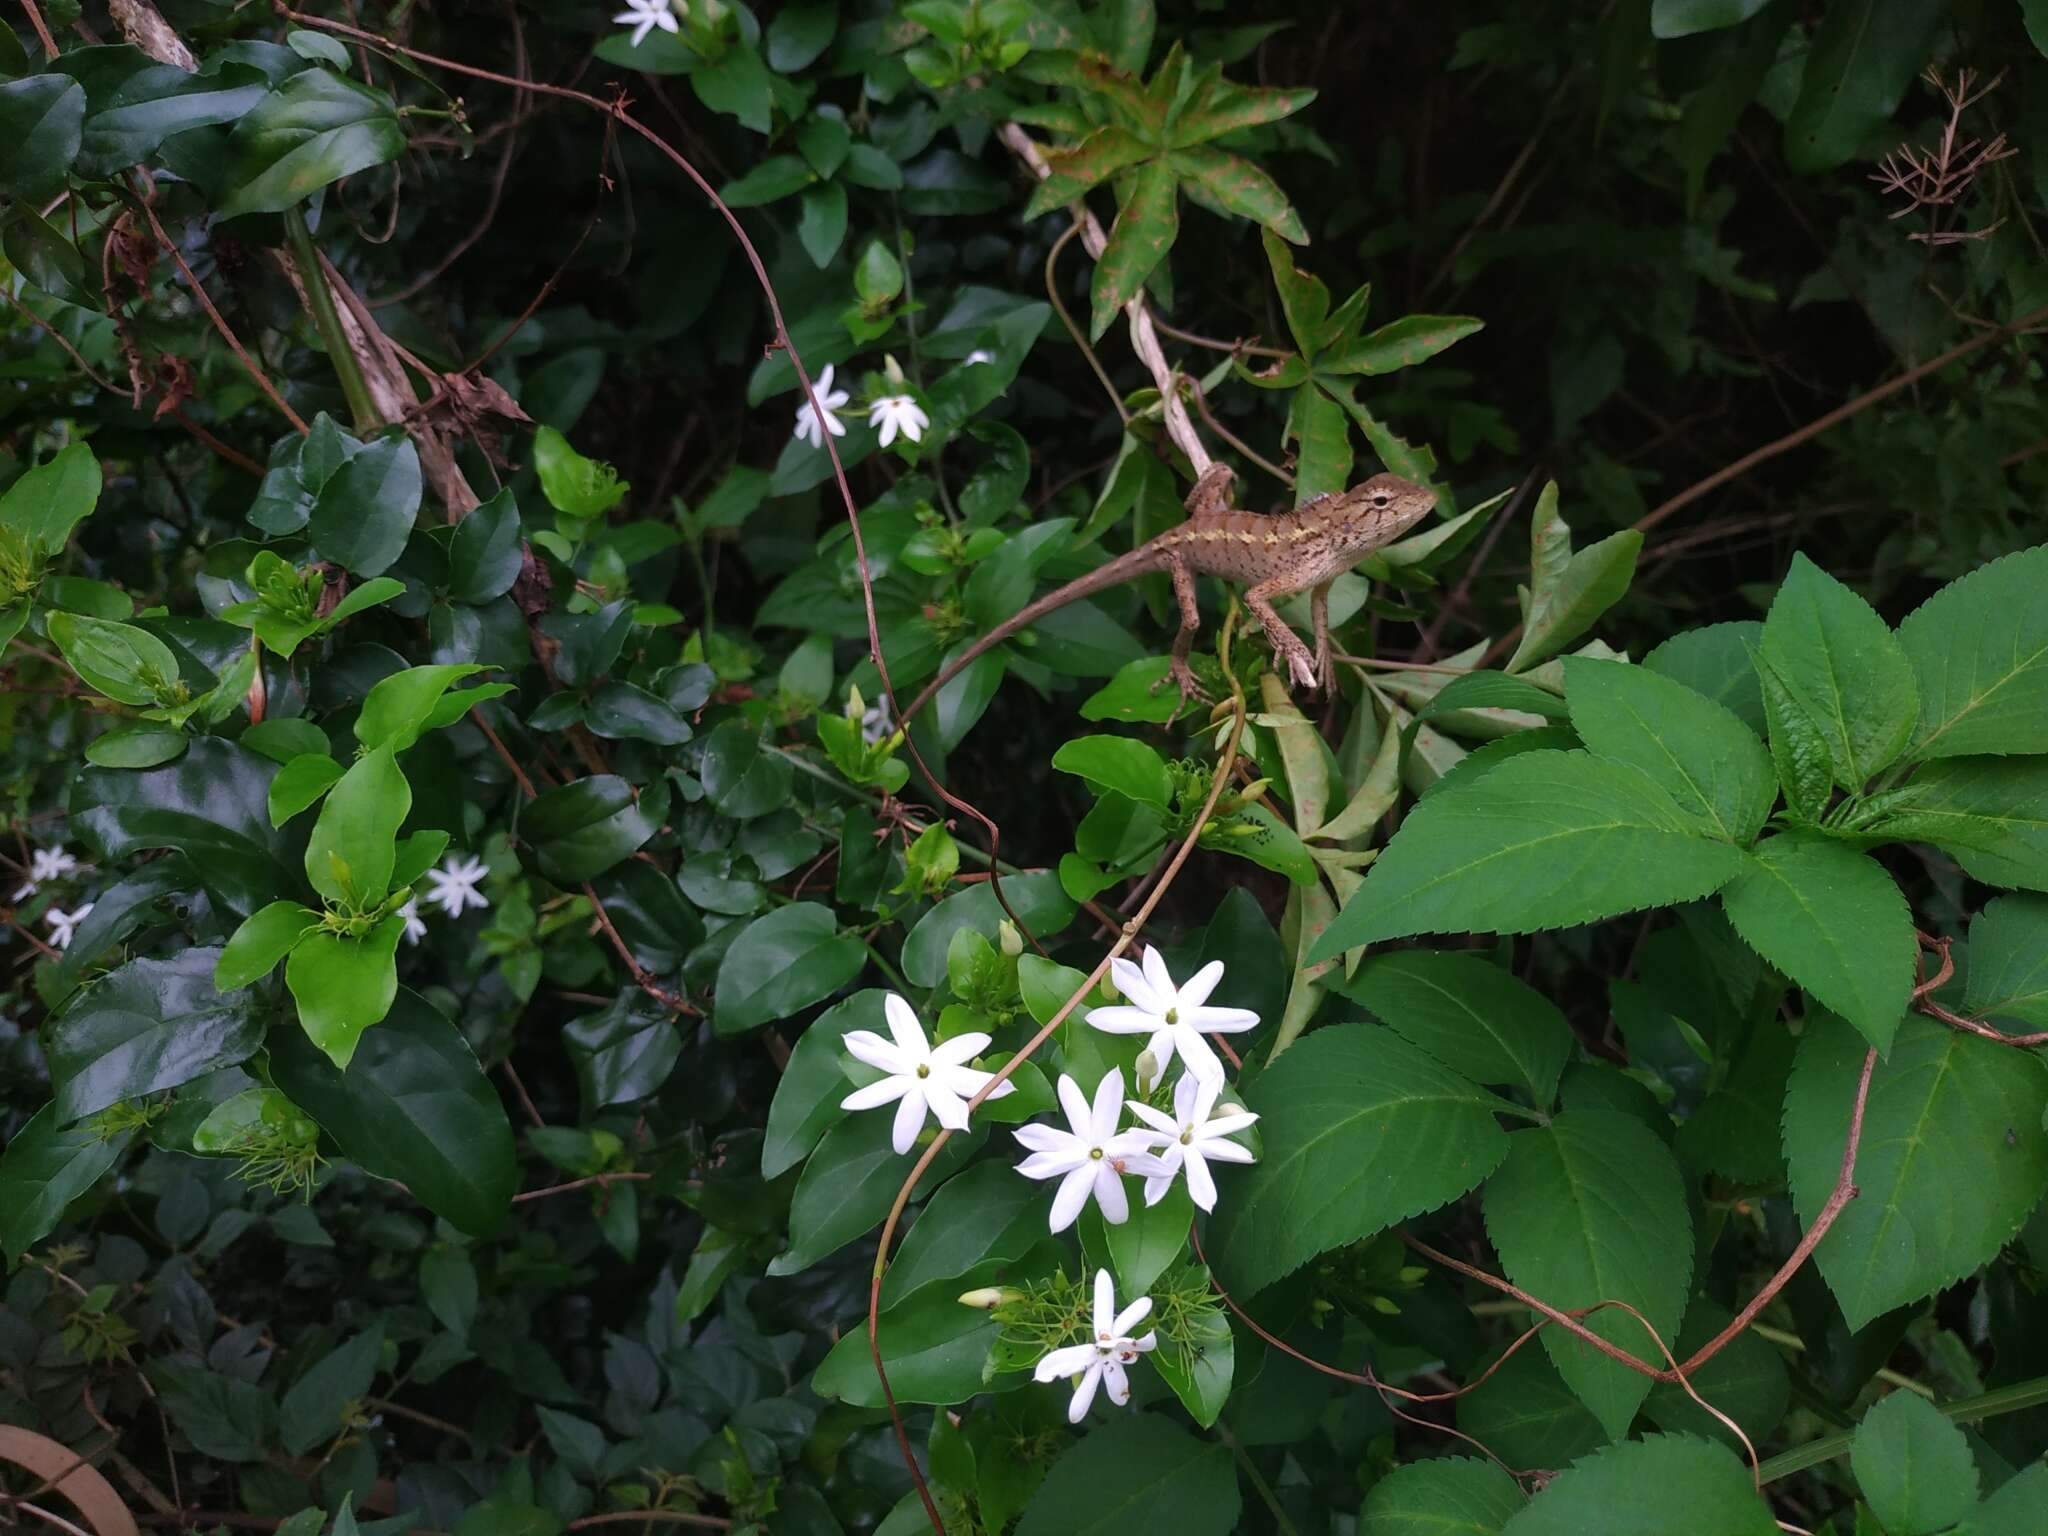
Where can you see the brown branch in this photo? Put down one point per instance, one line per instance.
(606, 1179)
(1059, 307)
(35, 19)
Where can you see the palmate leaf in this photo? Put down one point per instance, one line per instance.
(1230, 184)
(1361, 1130)
(1143, 233)
(1071, 172)
(1979, 650)
(1953, 1157)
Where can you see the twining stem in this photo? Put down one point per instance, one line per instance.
(1966, 1410)
(320, 298)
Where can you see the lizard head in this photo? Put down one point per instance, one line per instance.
(1380, 510)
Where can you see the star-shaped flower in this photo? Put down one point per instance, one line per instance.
(643, 16)
(454, 884)
(45, 864)
(921, 1075)
(898, 413)
(1185, 1141)
(415, 925)
(1102, 1360)
(62, 923)
(829, 400)
(1088, 1158)
(1175, 1017)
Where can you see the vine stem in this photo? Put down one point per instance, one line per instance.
(321, 300)
(2012, 1399)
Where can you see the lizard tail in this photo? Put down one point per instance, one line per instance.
(1123, 568)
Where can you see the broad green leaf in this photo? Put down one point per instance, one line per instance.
(1708, 761)
(1979, 650)
(412, 1106)
(1953, 1158)
(625, 1053)
(1201, 1372)
(1543, 840)
(770, 181)
(1035, 898)
(344, 985)
(1865, 54)
(850, 1182)
(1303, 298)
(1524, 1413)
(1146, 1246)
(1591, 1208)
(621, 712)
(1568, 591)
(366, 510)
(1745, 1379)
(990, 1212)
(263, 940)
(404, 706)
(1990, 812)
(314, 129)
(1496, 691)
(224, 1417)
(40, 121)
(52, 498)
(44, 1169)
(123, 661)
(2015, 1509)
(1834, 922)
(2008, 976)
(1469, 1013)
(1144, 231)
(484, 556)
(806, 1102)
(1322, 443)
(1137, 1475)
(781, 964)
(314, 1408)
(1232, 185)
(1835, 655)
(350, 853)
(1913, 1466)
(571, 834)
(744, 776)
(1361, 1130)
(1683, 18)
(933, 1347)
(821, 222)
(1400, 344)
(1096, 158)
(1799, 748)
(301, 782)
(132, 110)
(1443, 1496)
(1715, 661)
(1118, 763)
(1673, 1485)
(574, 485)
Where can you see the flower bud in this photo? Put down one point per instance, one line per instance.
(989, 1297)
(1011, 940)
(856, 706)
(1147, 1071)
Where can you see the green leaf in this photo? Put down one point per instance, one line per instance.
(772, 180)
(135, 104)
(1683, 18)
(225, 1418)
(821, 221)
(263, 940)
(574, 485)
(1953, 1158)
(52, 498)
(933, 1347)
(413, 1106)
(1745, 1379)
(744, 776)
(484, 557)
(2015, 1509)
(621, 712)
(1990, 812)
(1235, 107)
(737, 85)
(365, 512)
(123, 661)
(350, 853)
(1234, 186)
(1714, 661)
(1544, 840)
(135, 746)
(1144, 1247)
(299, 783)
(1914, 1466)
(1848, 671)
(799, 33)
(988, 1213)
(1709, 762)
(1402, 344)
(1979, 650)
(1799, 750)
(1444, 1496)
(1137, 1475)
(1674, 1485)
(2008, 976)
(782, 963)
(1473, 1016)
(44, 1169)
(314, 129)
(344, 985)
(1590, 1208)
(624, 1053)
(1303, 298)
(1865, 54)
(1103, 154)
(585, 827)
(1361, 1130)
(850, 1182)
(1834, 922)
(406, 705)
(1200, 1372)
(1568, 591)
(806, 1102)
(40, 121)
(1036, 898)
(1316, 426)
(1524, 1413)
(1120, 764)
(314, 1409)
(1144, 232)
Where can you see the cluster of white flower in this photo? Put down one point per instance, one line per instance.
(1093, 1155)
(44, 866)
(452, 888)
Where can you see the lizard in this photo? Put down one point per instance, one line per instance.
(1272, 556)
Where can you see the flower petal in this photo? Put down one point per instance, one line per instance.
(1196, 989)
(1147, 1344)
(1156, 1186)
(947, 1106)
(1220, 1021)
(904, 1028)
(1200, 1185)
(1071, 1361)
(1084, 1394)
(1130, 1317)
(1202, 1060)
(1046, 1138)
(1072, 1195)
(1164, 1124)
(1109, 1195)
(1227, 1151)
(1132, 983)
(1049, 1165)
(1109, 1105)
(1105, 1305)
(1075, 1103)
(865, 1045)
(875, 1095)
(1161, 978)
(909, 1121)
(1226, 1125)
(1115, 1383)
(1187, 1102)
(960, 1050)
(1119, 1019)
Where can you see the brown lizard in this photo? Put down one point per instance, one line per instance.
(1270, 556)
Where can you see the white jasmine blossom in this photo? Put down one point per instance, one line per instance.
(977, 357)
(62, 923)
(921, 1075)
(1088, 1158)
(45, 864)
(643, 16)
(1175, 1017)
(1102, 1360)
(454, 884)
(898, 413)
(1187, 1139)
(829, 400)
(415, 925)
(876, 723)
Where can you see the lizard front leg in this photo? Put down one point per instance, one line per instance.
(1301, 664)
(1319, 615)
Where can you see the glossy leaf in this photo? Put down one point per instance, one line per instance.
(807, 1096)
(343, 985)
(314, 129)
(1137, 1475)
(849, 1184)
(41, 118)
(350, 853)
(1036, 898)
(44, 1168)
(1864, 56)
(781, 963)
(366, 509)
(587, 826)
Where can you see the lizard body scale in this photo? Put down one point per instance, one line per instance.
(1272, 557)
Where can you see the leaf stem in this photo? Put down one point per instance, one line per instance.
(1281, 1523)
(320, 298)
(1967, 1410)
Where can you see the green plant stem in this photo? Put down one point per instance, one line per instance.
(1967, 1410)
(1792, 1341)
(320, 298)
(1285, 1526)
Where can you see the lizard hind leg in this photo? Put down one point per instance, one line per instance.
(1319, 615)
(1191, 690)
(1287, 646)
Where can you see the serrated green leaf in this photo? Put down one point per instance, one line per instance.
(1472, 1015)
(1674, 1485)
(1913, 1465)
(2008, 975)
(1443, 1496)
(1799, 751)
(1979, 650)
(1990, 812)
(1846, 669)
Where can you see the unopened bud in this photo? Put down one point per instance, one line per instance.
(856, 706)
(989, 1297)
(1147, 1070)
(1011, 940)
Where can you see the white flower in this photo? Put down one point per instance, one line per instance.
(645, 15)
(1188, 1139)
(62, 923)
(454, 884)
(829, 400)
(1175, 1017)
(898, 413)
(1088, 1158)
(876, 723)
(921, 1075)
(1104, 1359)
(415, 926)
(978, 356)
(45, 864)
